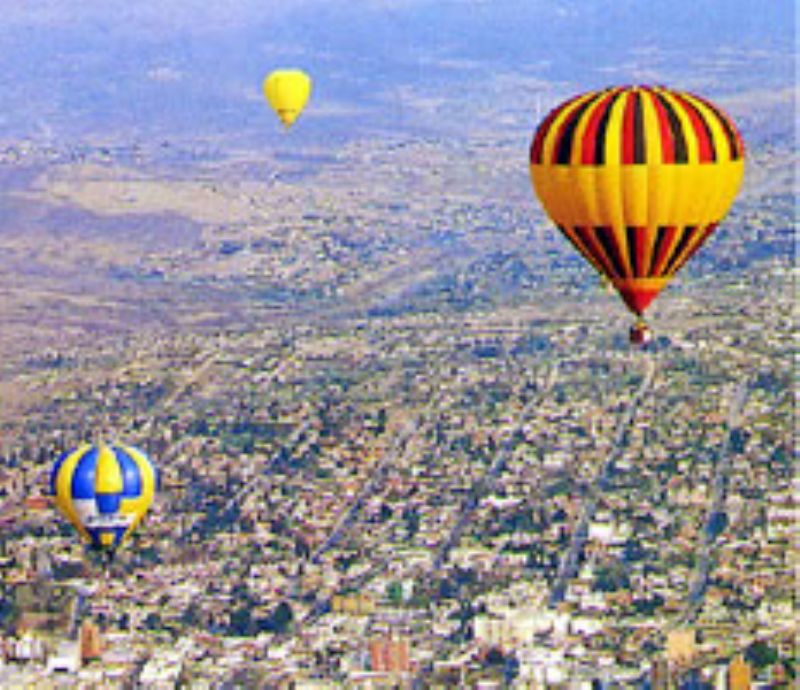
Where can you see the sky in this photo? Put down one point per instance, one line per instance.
(114, 70)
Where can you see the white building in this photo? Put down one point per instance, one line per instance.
(511, 627)
(66, 659)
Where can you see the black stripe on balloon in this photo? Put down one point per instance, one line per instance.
(706, 232)
(577, 241)
(638, 129)
(568, 131)
(678, 138)
(602, 126)
(733, 140)
(709, 135)
(661, 234)
(633, 254)
(688, 233)
(538, 141)
(606, 238)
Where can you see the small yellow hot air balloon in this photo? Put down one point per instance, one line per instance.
(287, 91)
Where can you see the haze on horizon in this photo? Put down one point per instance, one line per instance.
(120, 71)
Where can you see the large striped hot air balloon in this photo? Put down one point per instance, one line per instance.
(637, 178)
(104, 491)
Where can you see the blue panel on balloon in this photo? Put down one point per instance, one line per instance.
(119, 532)
(94, 533)
(54, 472)
(107, 503)
(83, 477)
(131, 478)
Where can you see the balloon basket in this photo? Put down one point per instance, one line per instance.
(640, 334)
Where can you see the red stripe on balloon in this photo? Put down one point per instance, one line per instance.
(667, 141)
(705, 144)
(589, 146)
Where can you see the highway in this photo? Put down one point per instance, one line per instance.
(349, 515)
(569, 565)
(722, 466)
(483, 485)
(478, 489)
(368, 488)
(290, 445)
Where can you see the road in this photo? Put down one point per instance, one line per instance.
(349, 515)
(731, 447)
(298, 435)
(480, 488)
(483, 485)
(570, 562)
(368, 488)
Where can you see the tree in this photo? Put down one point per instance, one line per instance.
(241, 622)
(380, 422)
(760, 654)
(412, 520)
(510, 669)
(610, 578)
(282, 618)
(190, 616)
(494, 657)
(447, 589)
(394, 592)
(301, 548)
(152, 621)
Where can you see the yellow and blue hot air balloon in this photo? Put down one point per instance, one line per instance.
(104, 491)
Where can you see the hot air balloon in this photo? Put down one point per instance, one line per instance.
(104, 491)
(287, 91)
(637, 178)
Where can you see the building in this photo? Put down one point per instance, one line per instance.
(739, 674)
(353, 604)
(681, 647)
(65, 659)
(509, 627)
(659, 675)
(90, 641)
(389, 654)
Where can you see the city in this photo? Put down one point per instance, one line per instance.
(418, 479)
(401, 436)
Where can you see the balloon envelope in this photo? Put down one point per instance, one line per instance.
(637, 178)
(104, 491)
(287, 91)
